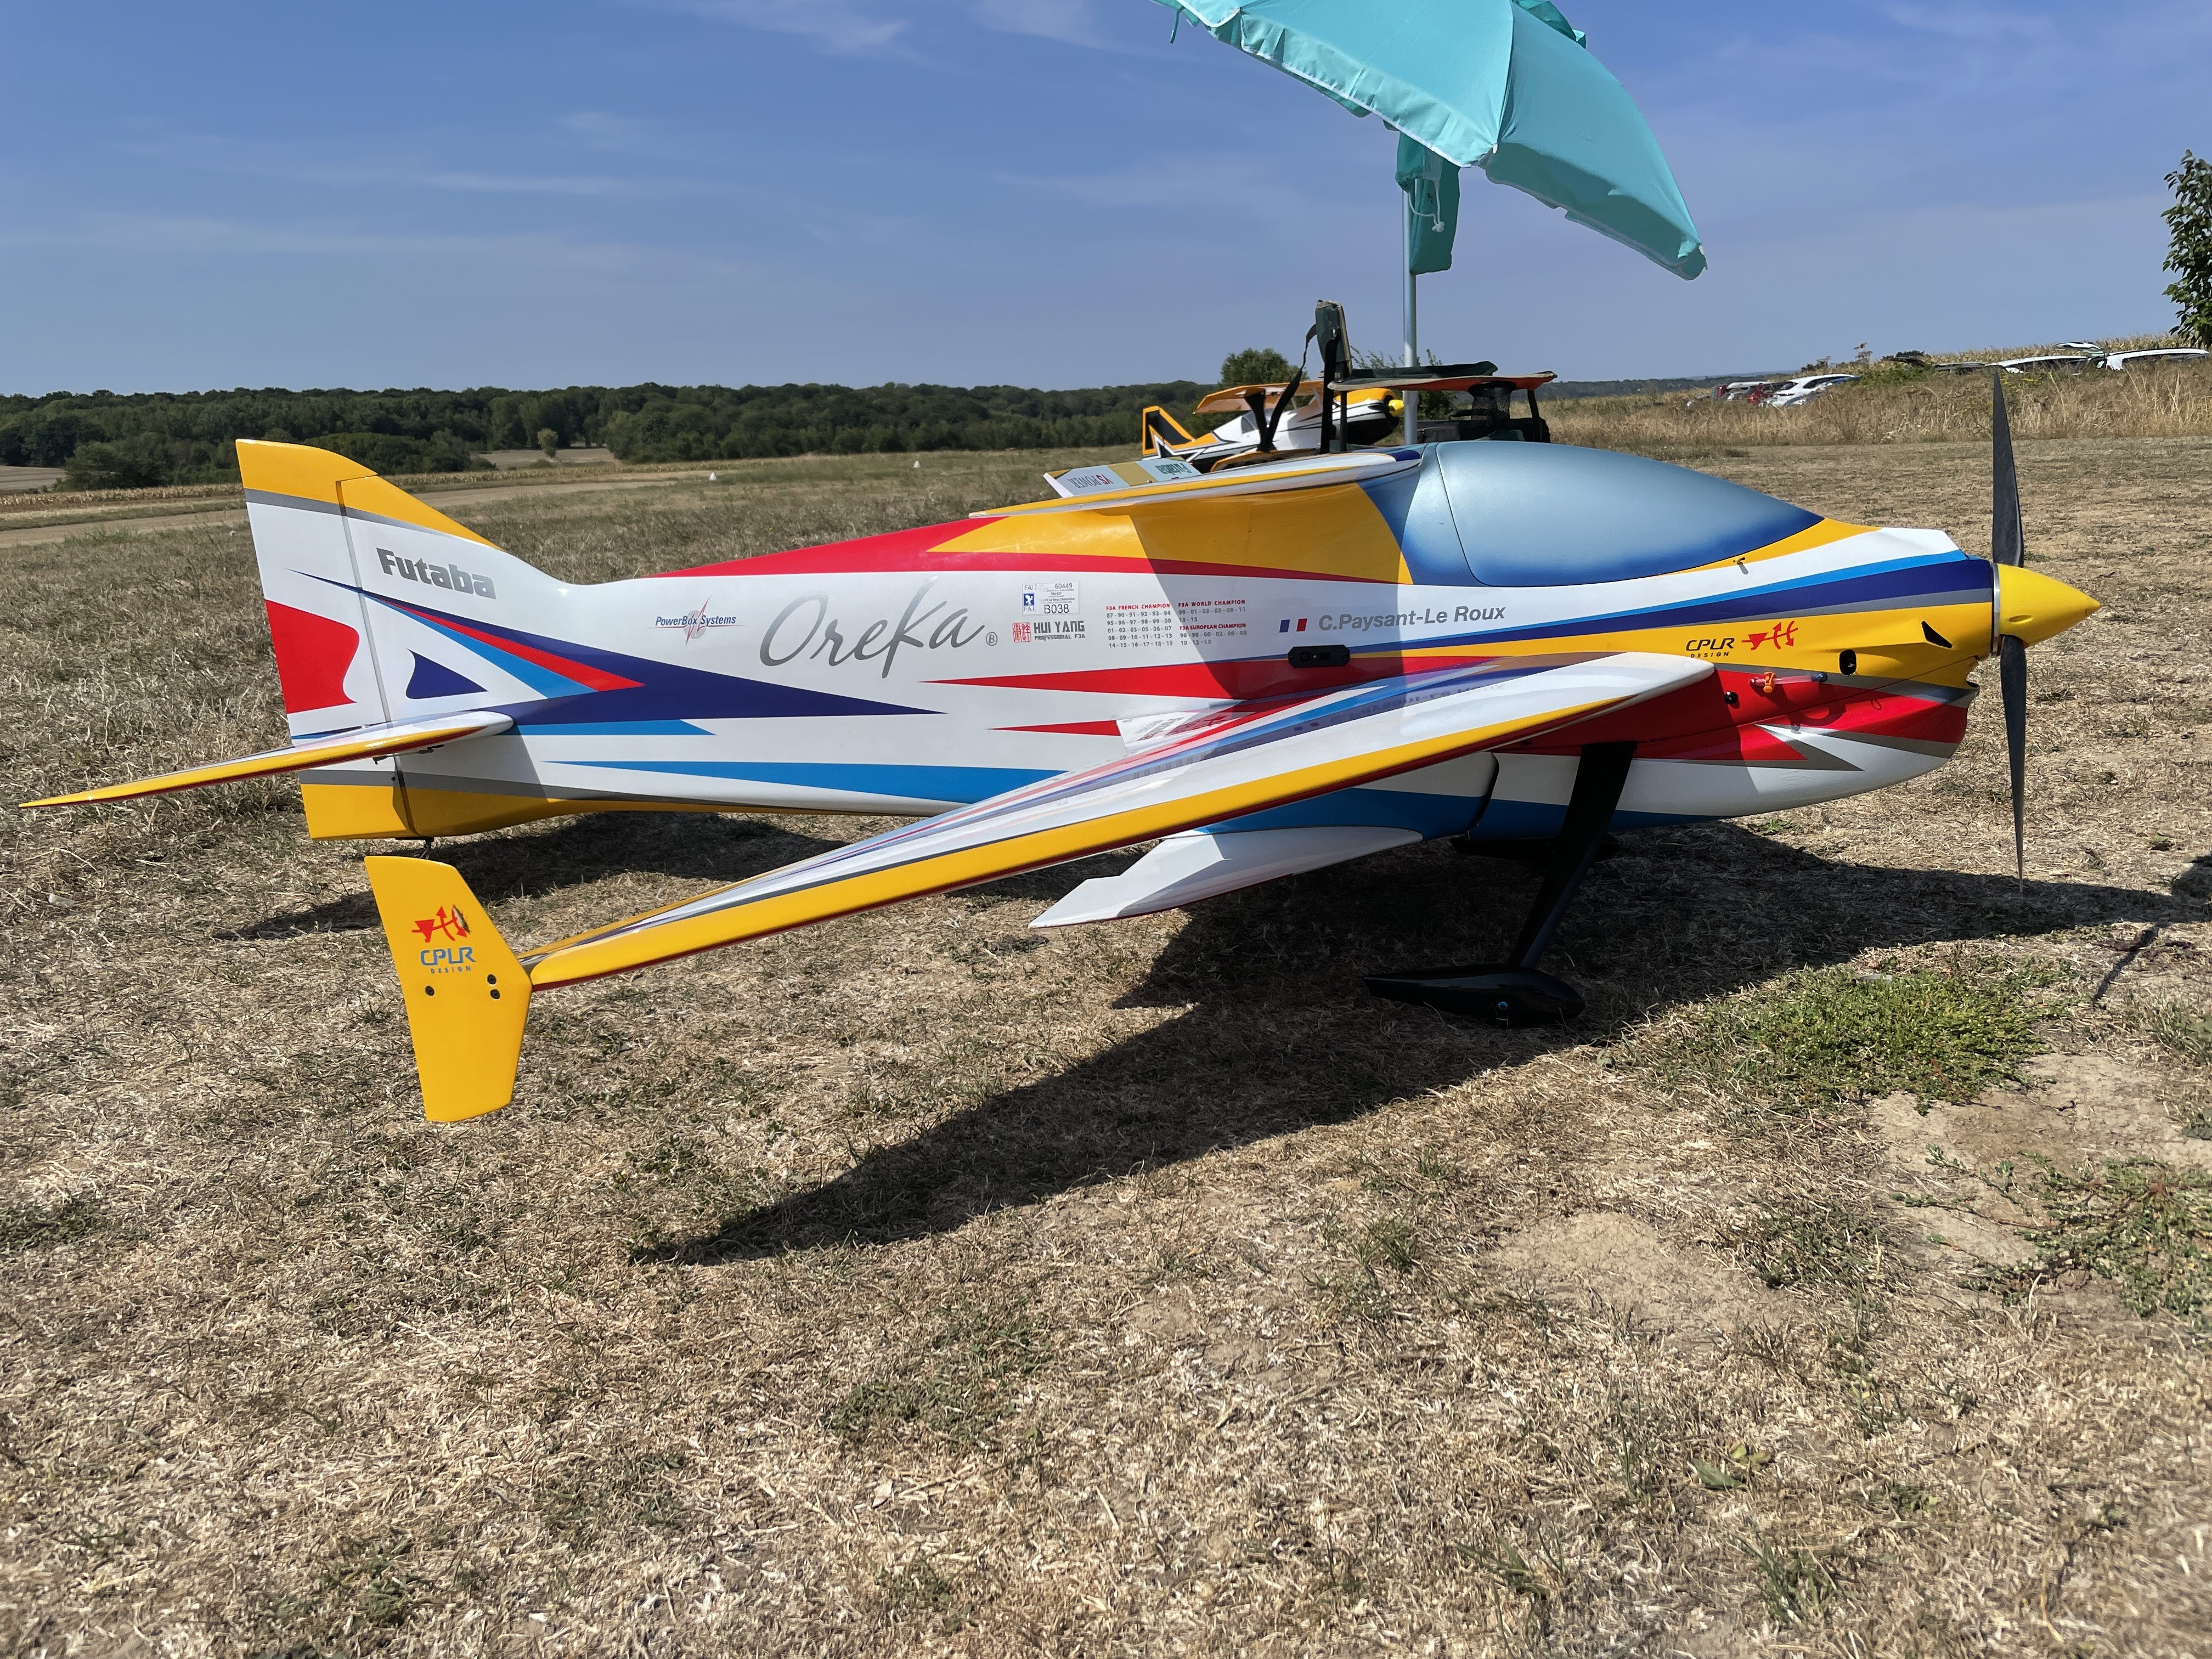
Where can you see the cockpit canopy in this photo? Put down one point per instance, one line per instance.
(1547, 515)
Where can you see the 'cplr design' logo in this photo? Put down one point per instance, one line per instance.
(1782, 635)
(448, 923)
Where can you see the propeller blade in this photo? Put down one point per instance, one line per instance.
(2012, 686)
(2007, 544)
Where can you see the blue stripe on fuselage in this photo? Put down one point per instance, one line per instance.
(964, 784)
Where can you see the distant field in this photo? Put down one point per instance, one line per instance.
(2157, 402)
(923, 1283)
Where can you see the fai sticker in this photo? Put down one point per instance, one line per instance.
(1055, 599)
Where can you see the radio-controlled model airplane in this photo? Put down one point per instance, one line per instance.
(1265, 669)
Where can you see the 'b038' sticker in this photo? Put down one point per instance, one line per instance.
(1057, 599)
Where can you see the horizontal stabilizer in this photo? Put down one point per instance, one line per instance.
(362, 743)
(1200, 864)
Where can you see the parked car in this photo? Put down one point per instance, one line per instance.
(1745, 391)
(1805, 388)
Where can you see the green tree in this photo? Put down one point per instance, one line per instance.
(135, 463)
(549, 440)
(1255, 365)
(2189, 247)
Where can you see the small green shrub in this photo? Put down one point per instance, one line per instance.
(1821, 1034)
(2145, 1225)
(2186, 1031)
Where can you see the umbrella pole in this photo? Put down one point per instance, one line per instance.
(1411, 310)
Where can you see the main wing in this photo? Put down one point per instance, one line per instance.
(1247, 760)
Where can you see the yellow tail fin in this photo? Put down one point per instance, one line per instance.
(1158, 429)
(466, 993)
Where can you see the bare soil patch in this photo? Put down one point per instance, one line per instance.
(922, 1283)
(515, 460)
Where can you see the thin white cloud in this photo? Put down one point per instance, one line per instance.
(838, 25)
(183, 235)
(247, 160)
(601, 129)
(1227, 186)
(1068, 21)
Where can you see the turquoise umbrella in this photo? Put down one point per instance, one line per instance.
(1508, 86)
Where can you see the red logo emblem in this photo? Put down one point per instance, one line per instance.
(1782, 635)
(446, 924)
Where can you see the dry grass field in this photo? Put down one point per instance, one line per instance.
(1841, 1285)
(2173, 401)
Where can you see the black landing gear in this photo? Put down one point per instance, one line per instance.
(1514, 992)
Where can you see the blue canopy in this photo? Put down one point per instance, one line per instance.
(1504, 85)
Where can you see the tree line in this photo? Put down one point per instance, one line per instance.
(110, 441)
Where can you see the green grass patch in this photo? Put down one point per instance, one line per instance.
(2145, 1225)
(2184, 1031)
(36, 1226)
(960, 1386)
(1823, 1035)
(1807, 1242)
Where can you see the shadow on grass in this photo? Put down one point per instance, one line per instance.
(712, 847)
(1276, 1032)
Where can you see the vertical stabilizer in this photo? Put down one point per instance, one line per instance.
(317, 621)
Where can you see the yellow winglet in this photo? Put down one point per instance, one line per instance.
(466, 995)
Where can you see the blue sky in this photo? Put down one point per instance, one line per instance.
(1038, 192)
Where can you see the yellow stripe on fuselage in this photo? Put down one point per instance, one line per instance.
(1889, 643)
(1330, 531)
(1812, 536)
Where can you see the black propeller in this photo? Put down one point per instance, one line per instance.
(2009, 545)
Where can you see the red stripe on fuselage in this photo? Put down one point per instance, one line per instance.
(1697, 724)
(1251, 677)
(596, 679)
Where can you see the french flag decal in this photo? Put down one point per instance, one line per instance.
(1284, 627)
